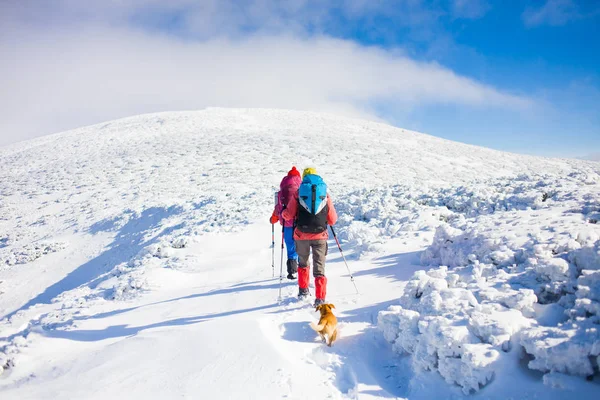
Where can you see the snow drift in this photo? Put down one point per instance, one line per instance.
(519, 272)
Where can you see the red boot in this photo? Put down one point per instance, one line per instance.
(321, 287)
(303, 279)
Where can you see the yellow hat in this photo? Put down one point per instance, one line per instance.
(309, 171)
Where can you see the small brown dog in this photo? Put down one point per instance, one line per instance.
(327, 323)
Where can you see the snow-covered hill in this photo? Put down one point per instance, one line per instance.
(135, 260)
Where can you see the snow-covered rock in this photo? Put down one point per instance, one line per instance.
(447, 329)
(522, 243)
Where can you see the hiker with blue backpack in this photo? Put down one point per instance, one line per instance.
(288, 188)
(312, 210)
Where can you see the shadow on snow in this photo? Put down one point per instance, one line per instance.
(54, 330)
(399, 267)
(128, 242)
(114, 331)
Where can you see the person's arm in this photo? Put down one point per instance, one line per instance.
(331, 213)
(289, 213)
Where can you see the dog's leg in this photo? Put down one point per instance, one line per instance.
(332, 337)
(322, 337)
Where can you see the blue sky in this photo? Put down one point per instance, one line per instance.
(555, 59)
(516, 76)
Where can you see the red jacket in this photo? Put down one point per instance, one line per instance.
(290, 214)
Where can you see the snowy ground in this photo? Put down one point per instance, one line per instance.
(135, 261)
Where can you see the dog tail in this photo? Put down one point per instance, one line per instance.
(316, 327)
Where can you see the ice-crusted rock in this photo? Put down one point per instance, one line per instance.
(588, 285)
(432, 325)
(558, 380)
(437, 344)
(491, 275)
(496, 325)
(473, 370)
(554, 269)
(587, 257)
(521, 300)
(567, 348)
(400, 327)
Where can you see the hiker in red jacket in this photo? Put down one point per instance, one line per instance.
(313, 211)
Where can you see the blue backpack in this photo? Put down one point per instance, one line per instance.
(312, 205)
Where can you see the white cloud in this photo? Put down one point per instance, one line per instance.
(469, 9)
(557, 13)
(57, 79)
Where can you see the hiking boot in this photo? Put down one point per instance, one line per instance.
(292, 266)
(318, 302)
(303, 293)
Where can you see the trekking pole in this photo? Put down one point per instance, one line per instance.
(281, 265)
(342, 253)
(273, 237)
(273, 249)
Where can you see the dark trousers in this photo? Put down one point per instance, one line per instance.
(319, 252)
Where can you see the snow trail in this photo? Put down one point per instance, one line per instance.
(217, 329)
